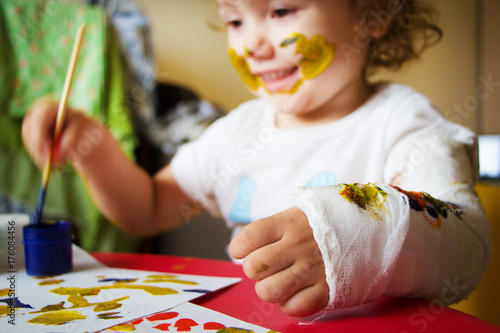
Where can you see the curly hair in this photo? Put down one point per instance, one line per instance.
(410, 29)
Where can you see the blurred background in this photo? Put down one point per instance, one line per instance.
(190, 53)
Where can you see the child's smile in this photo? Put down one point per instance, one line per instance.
(279, 80)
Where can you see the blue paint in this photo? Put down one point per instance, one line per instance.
(240, 211)
(126, 280)
(14, 302)
(201, 291)
(47, 248)
(37, 216)
(324, 178)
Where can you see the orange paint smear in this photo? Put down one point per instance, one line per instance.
(213, 326)
(162, 327)
(163, 316)
(185, 325)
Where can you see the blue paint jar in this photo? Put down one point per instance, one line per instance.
(47, 248)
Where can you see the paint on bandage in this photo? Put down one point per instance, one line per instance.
(317, 54)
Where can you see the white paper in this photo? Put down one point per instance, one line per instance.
(108, 299)
(188, 317)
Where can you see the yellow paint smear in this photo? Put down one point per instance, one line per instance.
(153, 290)
(4, 292)
(368, 197)
(50, 282)
(123, 328)
(54, 307)
(168, 279)
(110, 305)
(4, 310)
(317, 54)
(57, 318)
(76, 291)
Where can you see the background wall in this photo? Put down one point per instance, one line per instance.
(190, 53)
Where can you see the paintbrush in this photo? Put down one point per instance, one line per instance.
(61, 112)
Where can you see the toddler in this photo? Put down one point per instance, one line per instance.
(338, 191)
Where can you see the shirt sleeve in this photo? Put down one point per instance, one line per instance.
(195, 166)
(427, 237)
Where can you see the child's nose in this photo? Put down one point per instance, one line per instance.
(258, 46)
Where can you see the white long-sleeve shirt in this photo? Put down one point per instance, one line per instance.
(386, 242)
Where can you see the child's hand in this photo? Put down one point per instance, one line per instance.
(281, 253)
(38, 132)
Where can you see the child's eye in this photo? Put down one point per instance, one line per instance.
(282, 12)
(234, 23)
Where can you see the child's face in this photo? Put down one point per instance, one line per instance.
(293, 52)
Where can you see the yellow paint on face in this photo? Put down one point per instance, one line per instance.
(317, 54)
(240, 64)
(57, 318)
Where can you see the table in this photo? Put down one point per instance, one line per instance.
(240, 301)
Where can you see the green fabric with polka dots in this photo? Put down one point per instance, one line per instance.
(36, 40)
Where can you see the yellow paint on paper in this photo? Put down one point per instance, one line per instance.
(153, 290)
(76, 291)
(4, 310)
(50, 282)
(53, 307)
(110, 305)
(168, 279)
(4, 292)
(123, 328)
(57, 318)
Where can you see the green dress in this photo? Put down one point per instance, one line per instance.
(36, 39)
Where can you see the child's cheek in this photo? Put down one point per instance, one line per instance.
(241, 66)
(317, 54)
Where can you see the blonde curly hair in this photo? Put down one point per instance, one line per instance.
(409, 27)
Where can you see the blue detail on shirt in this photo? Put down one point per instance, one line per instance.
(240, 211)
(324, 178)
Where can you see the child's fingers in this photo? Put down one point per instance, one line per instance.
(268, 260)
(37, 128)
(256, 235)
(286, 283)
(307, 301)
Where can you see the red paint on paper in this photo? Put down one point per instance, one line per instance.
(162, 327)
(213, 326)
(138, 321)
(163, 316)
(185, 324)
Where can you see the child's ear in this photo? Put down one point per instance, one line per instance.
(377, 29)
